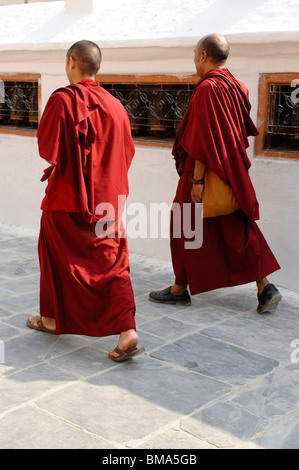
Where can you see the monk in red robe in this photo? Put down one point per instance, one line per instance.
(213, 136)
(85, 135)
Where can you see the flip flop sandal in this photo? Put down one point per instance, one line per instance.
(40, 326)
(125, 354)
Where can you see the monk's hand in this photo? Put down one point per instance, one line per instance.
(196, 193)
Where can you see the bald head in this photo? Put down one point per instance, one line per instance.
(88, 56)
(216, 47)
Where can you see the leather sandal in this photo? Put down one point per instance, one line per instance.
(125, 354)
(40, 326)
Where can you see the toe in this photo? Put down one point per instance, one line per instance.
(33, 320)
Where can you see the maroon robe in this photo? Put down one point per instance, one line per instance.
(214, 131)
(85, 282)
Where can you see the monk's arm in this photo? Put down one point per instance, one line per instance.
(199, 170)
(198, 174)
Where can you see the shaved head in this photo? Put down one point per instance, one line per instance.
(216, 47)
(88, 56)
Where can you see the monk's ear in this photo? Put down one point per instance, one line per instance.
(99, 69)
(204, 56)
(72, 62)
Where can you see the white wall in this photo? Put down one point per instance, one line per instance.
(20, 189)
(275, 180)
(152, 175)
(153, 180)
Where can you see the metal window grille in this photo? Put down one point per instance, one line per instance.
(19, 104)
(283, 119)
(154, 110)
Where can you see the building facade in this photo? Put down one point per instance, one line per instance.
(151, 70)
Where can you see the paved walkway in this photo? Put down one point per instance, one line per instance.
(213, 375)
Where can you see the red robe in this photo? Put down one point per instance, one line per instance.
(85, 282)
(214, 131)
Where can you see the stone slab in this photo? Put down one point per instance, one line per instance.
(31, 428)
(217, 359)
(133, 399)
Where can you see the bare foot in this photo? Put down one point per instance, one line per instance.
(127, 340)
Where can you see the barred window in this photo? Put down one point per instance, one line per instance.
(278, 115)
(19, 103)
(155, 104)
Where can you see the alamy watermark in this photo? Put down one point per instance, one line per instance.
(139, 221)
(295, 353)
(2, 92)
(295, 93)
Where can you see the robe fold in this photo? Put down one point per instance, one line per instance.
(215, 131)
(85, 135)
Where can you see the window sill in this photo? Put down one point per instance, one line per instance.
(153, 143)
(18, 131)
(276, 154)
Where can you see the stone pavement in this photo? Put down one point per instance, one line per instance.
(213, 375)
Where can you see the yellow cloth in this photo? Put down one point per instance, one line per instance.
(217, 198)
(52, 172)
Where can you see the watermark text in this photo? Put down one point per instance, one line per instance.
(140, 221)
